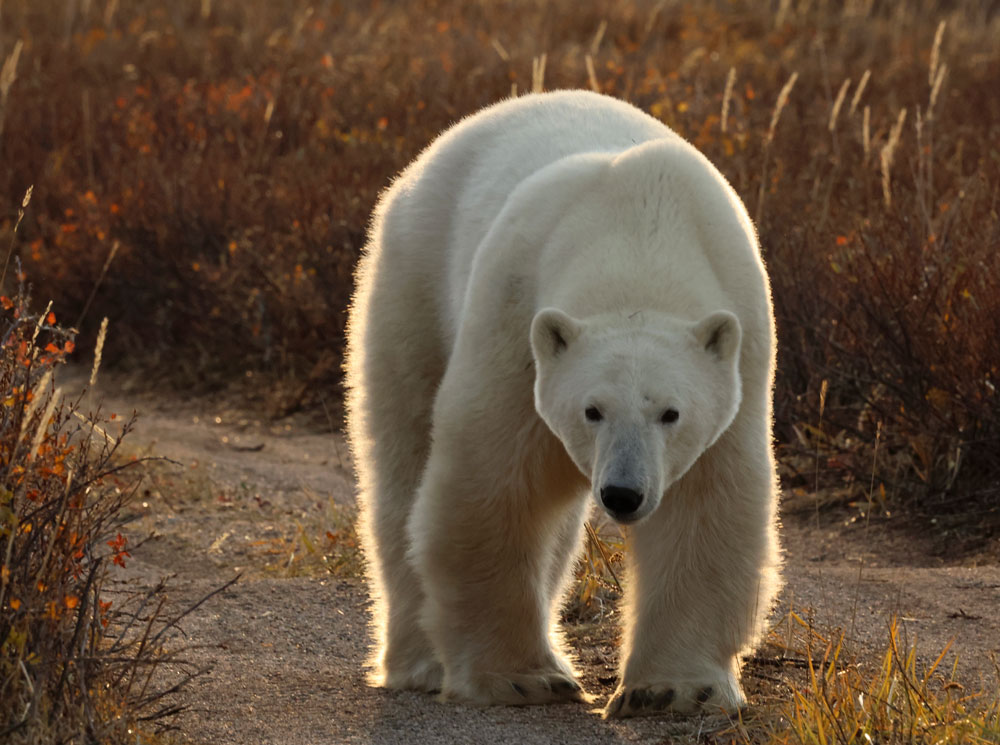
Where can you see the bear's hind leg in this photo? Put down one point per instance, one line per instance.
(391, 379)
(389, 469)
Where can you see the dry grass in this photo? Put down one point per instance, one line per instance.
(324, 545)
(833, 696)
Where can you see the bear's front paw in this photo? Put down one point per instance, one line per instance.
(521, 689)
(682, 698)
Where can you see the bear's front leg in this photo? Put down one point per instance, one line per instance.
(701, 581)
(486, 543)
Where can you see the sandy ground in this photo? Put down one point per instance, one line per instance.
(286, 651)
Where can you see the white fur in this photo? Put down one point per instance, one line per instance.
(550, 254)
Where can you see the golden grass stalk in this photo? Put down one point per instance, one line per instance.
(920, 132)
(858, 91)
(936, 90)
(866, 132)
(538, 73)
(500, 49)
(783, 8)
(779, 106)
(936, 53)
(837, 104)
(98, 348)
(605, 558)
(17, 224)
(41, 321)
(37, 396)
(595, 43)
(95, 427)
(109, 12)
(43, 423)
(8, 73)
(653, 15)
(727, 96)
(887, 155)
(592, 74)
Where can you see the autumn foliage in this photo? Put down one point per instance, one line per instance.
(77, 655)
(225, 156)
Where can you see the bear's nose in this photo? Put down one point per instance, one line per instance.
(621, 500)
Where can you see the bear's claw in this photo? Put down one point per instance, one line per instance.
(663, 698)
(521, 689)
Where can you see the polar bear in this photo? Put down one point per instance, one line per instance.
(561, 297)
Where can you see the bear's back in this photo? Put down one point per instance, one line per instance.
(438, 211)
(482, 159)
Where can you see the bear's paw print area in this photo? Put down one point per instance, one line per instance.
(521, 689)
(677, 698)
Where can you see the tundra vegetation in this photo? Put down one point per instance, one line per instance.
(202, 172)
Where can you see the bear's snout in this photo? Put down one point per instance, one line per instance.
(621, 501)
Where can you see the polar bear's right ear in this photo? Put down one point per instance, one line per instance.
(552, 331)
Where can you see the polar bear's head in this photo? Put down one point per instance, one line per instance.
(635, 401)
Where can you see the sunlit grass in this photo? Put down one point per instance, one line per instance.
(890, 698)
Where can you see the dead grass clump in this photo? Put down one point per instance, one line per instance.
(328, 546)
(838, 699)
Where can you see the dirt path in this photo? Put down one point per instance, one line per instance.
(252, 497)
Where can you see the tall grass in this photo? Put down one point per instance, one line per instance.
(840, 699)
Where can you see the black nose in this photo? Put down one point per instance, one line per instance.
(621, 500)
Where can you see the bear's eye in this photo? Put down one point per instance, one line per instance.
(669, 416)
(593, 414)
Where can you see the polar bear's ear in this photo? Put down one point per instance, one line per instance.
(552, 331)
(720, 334)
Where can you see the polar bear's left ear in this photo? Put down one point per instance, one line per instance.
(552, 331)
(720, 334)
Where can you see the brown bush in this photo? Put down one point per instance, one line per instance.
(233, 151)
(80, 660)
